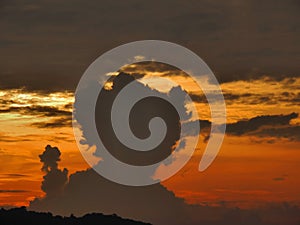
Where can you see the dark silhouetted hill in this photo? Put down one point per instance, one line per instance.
(18, 216)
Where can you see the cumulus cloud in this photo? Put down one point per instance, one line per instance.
(55, 179)
(140, 115)
(96, 194)
(86, 191)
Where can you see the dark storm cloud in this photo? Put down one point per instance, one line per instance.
(48, 44)
(86, 191)
(155, 105)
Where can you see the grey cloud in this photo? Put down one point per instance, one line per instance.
(48, 44)
(50, 158)
(86, 191)
(55, 178)
(254, 124)
(266, 126)
(140, 116)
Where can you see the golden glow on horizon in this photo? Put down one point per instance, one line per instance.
(24, 135)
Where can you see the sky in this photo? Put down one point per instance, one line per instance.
(251, 46)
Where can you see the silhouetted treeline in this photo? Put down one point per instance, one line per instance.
(19, 216)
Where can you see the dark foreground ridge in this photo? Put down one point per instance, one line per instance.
(18, 216)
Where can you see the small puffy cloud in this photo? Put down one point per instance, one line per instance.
(55, 179)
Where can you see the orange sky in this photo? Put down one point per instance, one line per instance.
(249, 170)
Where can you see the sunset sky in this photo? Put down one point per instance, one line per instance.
(253, 166)
(251, 46)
